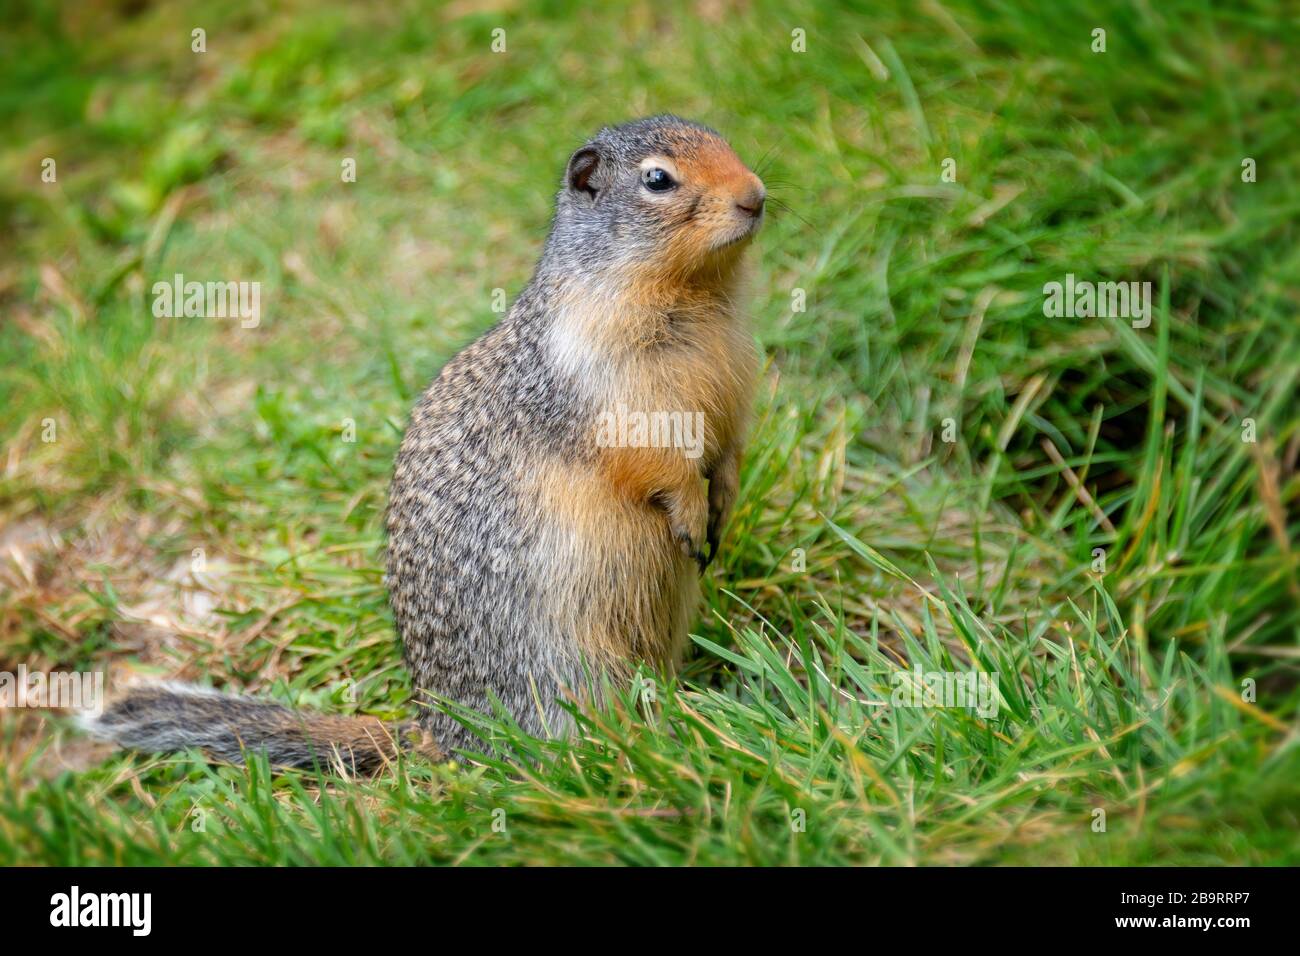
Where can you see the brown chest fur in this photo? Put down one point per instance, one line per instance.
(628, 591)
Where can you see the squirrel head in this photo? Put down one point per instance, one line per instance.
(656, 200)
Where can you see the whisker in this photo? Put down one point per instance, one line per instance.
(759, 167)
(786, 207)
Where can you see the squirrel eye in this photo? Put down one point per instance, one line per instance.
(656, 180)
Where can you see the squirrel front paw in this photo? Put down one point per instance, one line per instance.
(724, 481)
(688, 516)
(691, 546)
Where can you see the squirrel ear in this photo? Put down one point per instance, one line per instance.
(582, 167)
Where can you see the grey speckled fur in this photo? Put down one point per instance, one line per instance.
(467, 599)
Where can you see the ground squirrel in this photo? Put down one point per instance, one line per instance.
(565, 479)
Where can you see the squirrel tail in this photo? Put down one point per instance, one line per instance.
(166, 717)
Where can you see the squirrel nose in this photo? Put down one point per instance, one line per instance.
(752, 201)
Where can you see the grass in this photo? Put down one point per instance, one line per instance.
(941, 477)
